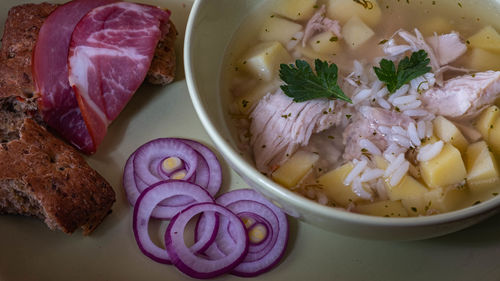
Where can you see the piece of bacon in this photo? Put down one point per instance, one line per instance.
(57, 101)
(110, 53)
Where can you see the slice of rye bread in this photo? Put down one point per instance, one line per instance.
(41, 175)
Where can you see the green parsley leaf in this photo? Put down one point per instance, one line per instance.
(302, 84)
(408, 69)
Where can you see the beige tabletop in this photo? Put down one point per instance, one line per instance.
(30, 251)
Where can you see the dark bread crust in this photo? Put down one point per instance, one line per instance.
(19, 38)
(66, 191)
(163, 66)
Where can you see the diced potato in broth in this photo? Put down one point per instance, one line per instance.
(444, 170)
(279, 29)
(299, 164)
(487, 39)
(356, 32)
(482, 168)
(344, 10)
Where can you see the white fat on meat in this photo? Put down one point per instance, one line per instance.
(464, 96)
(280, 126)
(367, 126)
(320, 23)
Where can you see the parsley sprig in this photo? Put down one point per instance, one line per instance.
(302, 84)
(408, 69)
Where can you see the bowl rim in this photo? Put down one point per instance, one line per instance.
(234, 157)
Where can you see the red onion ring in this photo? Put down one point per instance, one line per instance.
(214, 168)
(146, 205)
(262, 256)
(195, 265)
(207, 173)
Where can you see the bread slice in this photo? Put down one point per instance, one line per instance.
(42, 176)
(163, 66)
(18, 40)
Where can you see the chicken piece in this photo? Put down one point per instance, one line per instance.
(447, 47)
(280, 126)
(417, 42)
(319, 23)
(368, 126)
(441, 49)
(465, 96)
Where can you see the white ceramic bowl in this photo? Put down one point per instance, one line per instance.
(210, 28)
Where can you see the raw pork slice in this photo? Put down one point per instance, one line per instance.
(57, 101)
(110, 53)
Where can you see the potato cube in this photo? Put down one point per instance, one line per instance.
(486, 120)
(279, 29)
(334, 188)
(446, 169)
(263, 60)
(437, 25)
(295, 168)
(309, 53)
(411, 193)
(482, 168)
(295, 9)
(483, 60)
(494, 138)
(249, 100)
(325, 43)
(356, 32)
(443, 200)
(448, 132)
(385, 208)
(487, 39)
(343, 10)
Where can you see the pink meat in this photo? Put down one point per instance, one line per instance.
(465, 96)
(280, 126)
(320, 23)
(110, 53)
(366, 126)
(447, 47)
(57, 100)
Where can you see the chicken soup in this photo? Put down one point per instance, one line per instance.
(384, 108)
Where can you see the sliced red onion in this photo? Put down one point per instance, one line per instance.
(146, 159)
(214, 168)
(196, 265)
(262, 256)
(129, 184)
(146, 205)
(207, 173)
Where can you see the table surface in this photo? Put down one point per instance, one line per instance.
(30, 251)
